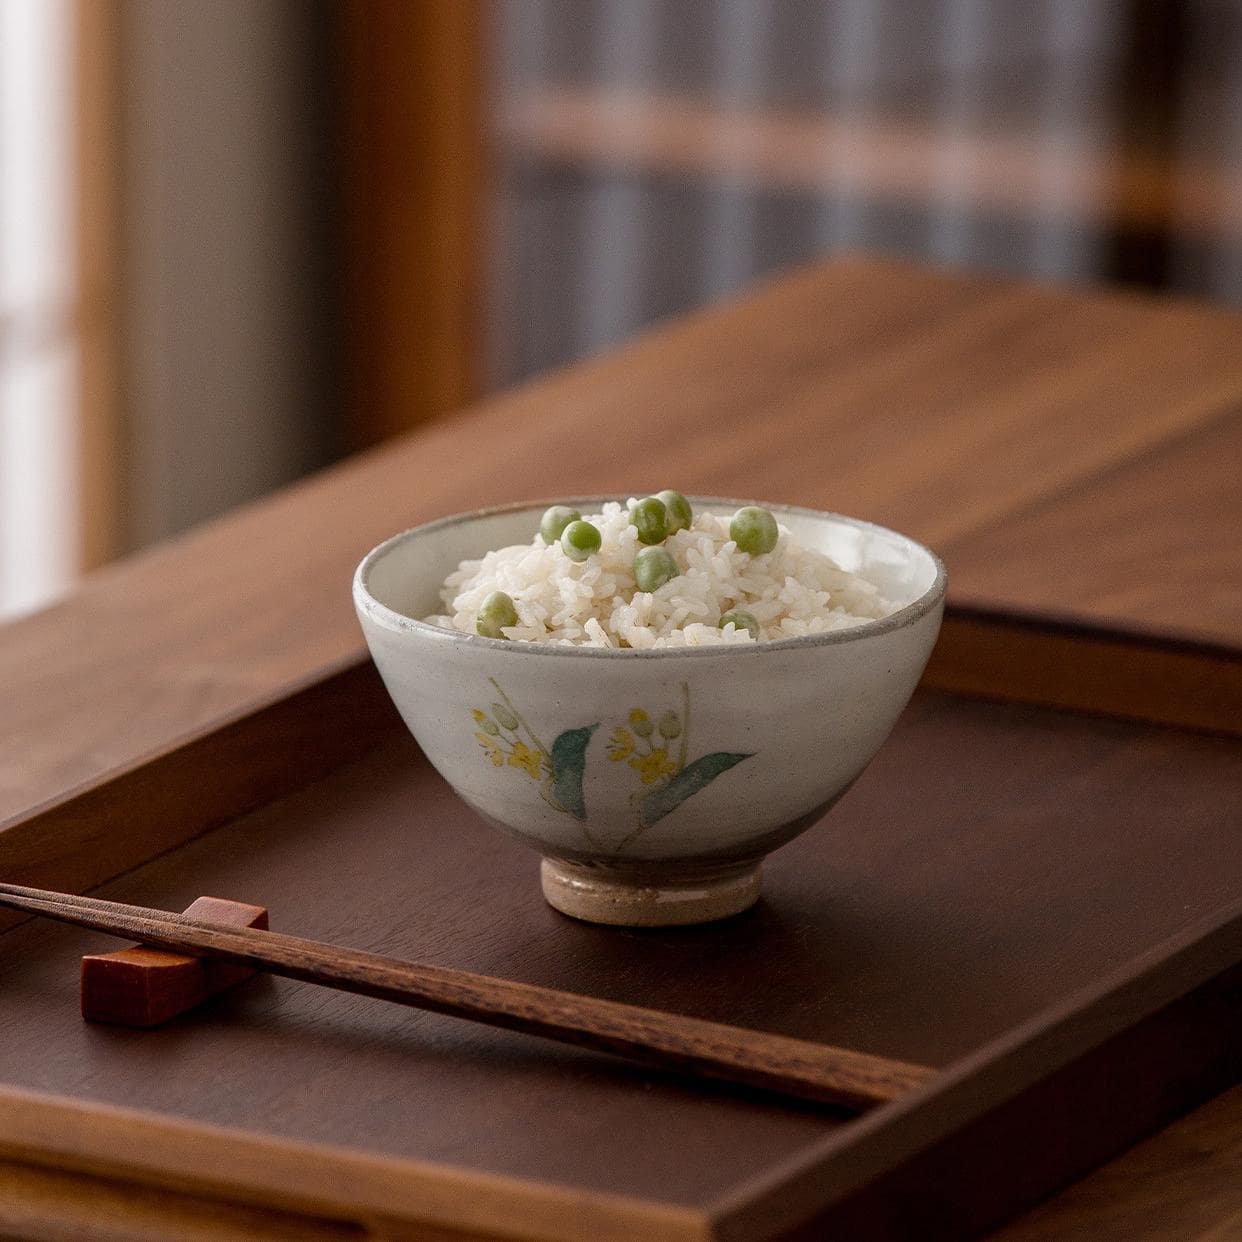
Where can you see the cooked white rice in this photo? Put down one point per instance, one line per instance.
(791, 591)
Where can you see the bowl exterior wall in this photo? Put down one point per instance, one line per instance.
(659, 760)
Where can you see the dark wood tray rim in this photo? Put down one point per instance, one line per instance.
(1052, 661)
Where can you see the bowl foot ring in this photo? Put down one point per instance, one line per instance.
(604, 895)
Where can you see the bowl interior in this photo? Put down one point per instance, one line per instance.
(405, 574)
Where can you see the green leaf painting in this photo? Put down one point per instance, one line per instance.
(568, 765)
(654, 745)
(695, 776)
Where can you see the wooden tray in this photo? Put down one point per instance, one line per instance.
(1042, 905)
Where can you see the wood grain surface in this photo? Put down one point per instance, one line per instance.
(112, 824)
(1155, 543)
(940, 404)
(971, 412)
(45, 1205)
(881, 902)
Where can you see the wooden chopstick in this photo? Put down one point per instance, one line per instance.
(799, 1068)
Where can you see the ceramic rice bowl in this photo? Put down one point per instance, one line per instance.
(652, 782)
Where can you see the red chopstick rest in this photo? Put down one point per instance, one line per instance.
(146, 987)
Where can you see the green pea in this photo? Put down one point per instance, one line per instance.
(554, 521)
(680, 515)
(743, 620)
(653, 567)
(650, 518)
(753, 530)
(670, 726)
(497, 612)
(579, 539)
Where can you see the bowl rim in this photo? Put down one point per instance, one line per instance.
(389, 618)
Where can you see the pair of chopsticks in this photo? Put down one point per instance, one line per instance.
(775, 1063)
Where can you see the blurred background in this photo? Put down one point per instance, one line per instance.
(241, 238)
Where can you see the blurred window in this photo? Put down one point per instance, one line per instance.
(655, 154)
(38, 352)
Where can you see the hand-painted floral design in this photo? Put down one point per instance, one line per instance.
(502, 744)
(653, 766)
(641, 750)
(644, 743)
(667, 780)
(530, 761)
(508, 740)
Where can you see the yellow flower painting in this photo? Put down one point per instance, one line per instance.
(622, 744)
(654, 745)
(492, 749)
(530, 761)
(653, 766)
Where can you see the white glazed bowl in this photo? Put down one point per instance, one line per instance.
(767, 735)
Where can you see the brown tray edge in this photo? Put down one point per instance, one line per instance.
(1064, 663)
(1201, 965)
(1113, 632)
(138, 1147)
(58, 1203)
(131, 815)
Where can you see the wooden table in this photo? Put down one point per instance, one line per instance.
(1075, 447)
